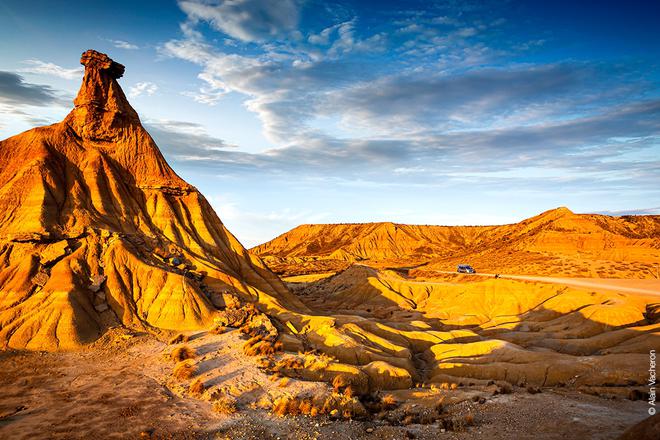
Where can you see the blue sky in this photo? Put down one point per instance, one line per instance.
(304, 111)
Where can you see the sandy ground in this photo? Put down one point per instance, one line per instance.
(122, 388)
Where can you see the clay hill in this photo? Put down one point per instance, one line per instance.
(556, 242)
(97, 230)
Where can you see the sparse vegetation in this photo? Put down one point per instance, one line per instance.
(389, 402)
(332, 405)
(218, 330)
(256, 346)
(179, 339)
(440, 406)
(196, 388)
(182, 353)
(225, 405)
(184, 370)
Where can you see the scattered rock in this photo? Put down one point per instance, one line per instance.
(41, 278)
(97, 282)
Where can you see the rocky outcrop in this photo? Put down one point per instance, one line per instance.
(556, 242)
(97, 230)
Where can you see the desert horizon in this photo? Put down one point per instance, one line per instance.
(176, 260)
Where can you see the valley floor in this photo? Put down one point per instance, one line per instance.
(122, 388)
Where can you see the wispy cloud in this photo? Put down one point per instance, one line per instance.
(246, 20)
(184, 140)
(143, 88)
(121, 44)
(452, 115)
(43, 68)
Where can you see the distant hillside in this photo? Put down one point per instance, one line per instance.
(556, 241)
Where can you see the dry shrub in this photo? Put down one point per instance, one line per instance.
(218, 330)
(533, 390)
(225, 405)
(505, 388)
(453, 386)
(389, 402)
(265, 363)
(284, 382)
(196, 388)
(343, 384)
(337, 405)
(182, 353)
(440, 406)
(334, 406)
(289, 363)
(306, 406)
(469, 419)
(257, 346)
(316, 361)
(184, 370)
(285, 405)
(179, 339)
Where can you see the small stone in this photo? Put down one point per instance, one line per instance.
(40, 279)
(370, 430)
(101, 307)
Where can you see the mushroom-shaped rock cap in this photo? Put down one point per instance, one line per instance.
(92, 59)
(101, 108)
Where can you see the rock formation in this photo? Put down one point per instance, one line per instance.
(97, 230)
(556, 242)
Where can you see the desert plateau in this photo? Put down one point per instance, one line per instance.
(128, 310)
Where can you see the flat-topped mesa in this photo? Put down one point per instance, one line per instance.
(101, 108)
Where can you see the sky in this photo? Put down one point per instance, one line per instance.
(425, 112)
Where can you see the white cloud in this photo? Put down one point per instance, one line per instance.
(43, 68)
(121, 44)
(431, 109)
(143, 88)
(246, 20)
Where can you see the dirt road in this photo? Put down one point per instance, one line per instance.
(640, 286)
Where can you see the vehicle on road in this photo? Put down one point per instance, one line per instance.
(465, 268)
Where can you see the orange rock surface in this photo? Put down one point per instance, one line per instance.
(97, 230)
(556, 242)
